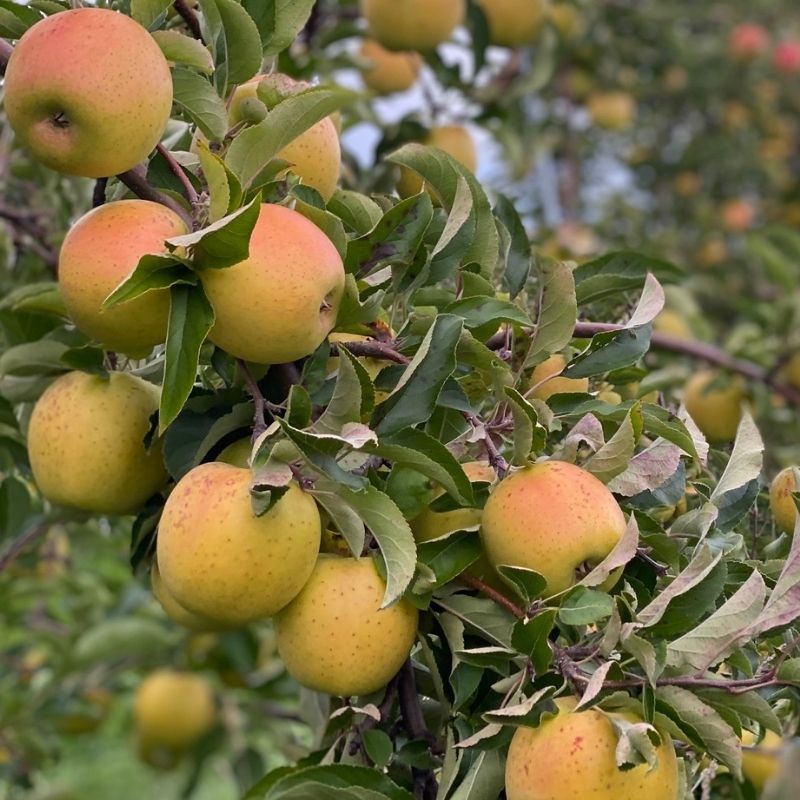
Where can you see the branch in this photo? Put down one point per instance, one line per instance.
(384, 709)
(5, 54)
(371, 349)
(259, 401)
(191, 193)
(189, 17)
(496, 460)
(138, 184)
(425, 786)
(492, 594)
(23, 540)
(99, 192)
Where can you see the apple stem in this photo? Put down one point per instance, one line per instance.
(189, 17)
(137, 183)
(259, 401)
(5, 54)
(191, 193)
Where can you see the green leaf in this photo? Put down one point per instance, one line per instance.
(357, 211)
(15, 19)
(345, 405)
(529, 435)
(184, 50)
(479, 311)
(290, 17)
(515, 246)
(223, 188)
(584, 606)
(343, 516)
(253, 149)
(44, 357)
(750, 705)
(415, 396)
(615, 273)
(391, 532)
(613, 457)
(201, 104)
(239, 48)
(441, 172)
(146, 12)
(151, 273)
(225, 242)
(558, 310)
(531, 639)
(378, 746)
(16, 507)
(191, 317)
(481, 615)
(484, 779)
(527, 583)
(450, 556)
(327, 222)
(704, 725)
(394, 240)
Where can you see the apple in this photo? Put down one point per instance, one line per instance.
(279, 304)
(88, 92)
(86, 442)
(413, 24)
(546, 378)
(100, 250)
(315, 155)
(513, 23)
(552, 517)
(748, 40)
(220, 561)
(334, 637)
(573, 755)
(385, 71)
(716, 411)
(787, 57)
(781, 502)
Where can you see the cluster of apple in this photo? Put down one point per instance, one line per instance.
(750, 40)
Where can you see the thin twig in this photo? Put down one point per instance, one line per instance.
(5, 54)
(191, 193)
(189, 17)
(371, 349)
(23, 541)
(425, 786)
(259, 401)
(138, 184)
(492, 594)
(496, 460)
(643, 555)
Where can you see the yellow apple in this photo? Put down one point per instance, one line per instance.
(456, 141)
(86, 443)
(551, 517)
(513, 23)
(413, 24)
(334, 637)
(315, 155)
(385, 71)
(716, 411)
(100, 250)
(221, 561)
(545, 377)
(237, 453)
(573, 755)
(88, 92)
(174, 610)
(173, 710)
(780, 499)
(613, 110)
(760, 760)
(279, 304)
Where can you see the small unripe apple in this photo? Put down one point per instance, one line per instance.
(552, 517)
(86, 442)
(334, 637)
(456, 141)
(781, 502)
(88, 92)
(385, 71)
(787, 57)
(573, 755)
(315, 155)
(413, 24)
(279, 304)
(546, 378)
(716, 411)
(613, 110)
(513, 23)
(221, 561)
(748, 41)
(100, 250)
(760, 760)
(173, 710)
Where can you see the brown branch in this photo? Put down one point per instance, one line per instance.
(492, 594)
(496, 460)
(371, 349)
(425, 786)
(259, 401)
(191, 193)
(384, 709)
(99, 192)
(137, 183)
(5, 54)
(189, 17)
